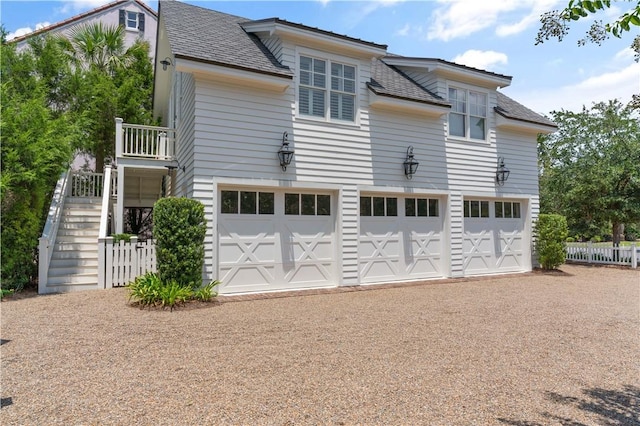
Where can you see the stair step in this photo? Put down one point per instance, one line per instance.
(56, 271)
(78, 232)
(73, 279)
(67, 247)
(68, 262)
(85, 238)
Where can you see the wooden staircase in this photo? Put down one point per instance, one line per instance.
(74, 262)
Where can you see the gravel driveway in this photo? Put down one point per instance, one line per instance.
(525, 350)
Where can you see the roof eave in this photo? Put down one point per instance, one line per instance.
(529, 126)
(281, 28)
(399, 103)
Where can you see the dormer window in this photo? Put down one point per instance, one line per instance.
(468, 116)
(326, 89)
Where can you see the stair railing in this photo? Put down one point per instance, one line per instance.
(47, 241)
(104, 242)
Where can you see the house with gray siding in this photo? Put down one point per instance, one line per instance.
(324, 160)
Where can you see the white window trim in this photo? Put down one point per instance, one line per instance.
(126, 21)
(467, 87)
(329, 57)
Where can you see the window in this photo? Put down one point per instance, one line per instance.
(468, 116)
(132, 20)
(246, 202)
(421, 207)
(307, 204)
(507, 210)
(317, 94)
(476, 208)
(378, 206)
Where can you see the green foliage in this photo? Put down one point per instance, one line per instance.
(551, 233)
(589, 169)
(149, 291)
(172, 294)
(37, 143)
(121, 237)
(179, 231)
(556, 24)
(206, 293)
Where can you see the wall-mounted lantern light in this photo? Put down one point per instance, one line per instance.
(410, 164)
(285, 154)
(502, 173)
(165, 63)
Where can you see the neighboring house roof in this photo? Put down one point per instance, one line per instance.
(82, 16)
(509, 108)
(217, 38)
(389, 81)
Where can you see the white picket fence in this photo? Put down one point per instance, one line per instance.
(589, 253)
(124, 261)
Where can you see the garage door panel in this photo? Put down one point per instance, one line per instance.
(494, 244)
(274, 251)
(394, 248)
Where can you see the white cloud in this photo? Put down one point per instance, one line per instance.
(481, 59)
(75, 6)
(374, 5)
(461, 18)
(620, 84)
(324, 2)
(26, 30)
(404, 31)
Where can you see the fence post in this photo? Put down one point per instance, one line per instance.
(590, 251)
(134, 259)
(43, 264)
(634, 256)
(108, 262)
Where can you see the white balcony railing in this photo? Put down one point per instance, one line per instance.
(149, 142)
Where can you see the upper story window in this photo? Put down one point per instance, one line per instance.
(327, 89)
(468, 116)
(132, 20)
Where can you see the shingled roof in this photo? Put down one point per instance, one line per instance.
(205, 35)
(509, 108)
(389, 81)
(217, 38)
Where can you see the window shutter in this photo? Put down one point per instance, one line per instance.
(122, 17)
(141, 22)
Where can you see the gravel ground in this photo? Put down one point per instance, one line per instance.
(525, 350)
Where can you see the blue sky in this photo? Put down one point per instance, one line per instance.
(496, 35)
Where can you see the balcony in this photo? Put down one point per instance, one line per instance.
(134, 141)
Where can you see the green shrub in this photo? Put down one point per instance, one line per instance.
(145, 289)
(551, 233)
(571, 240)
(122, 237)
(204, 294)
(596, 239)
(179, 230)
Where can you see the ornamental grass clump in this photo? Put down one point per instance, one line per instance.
(150, 291)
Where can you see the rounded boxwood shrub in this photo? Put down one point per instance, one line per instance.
(179, 228)
(551, 233)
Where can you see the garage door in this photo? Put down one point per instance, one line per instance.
(493, 239)
(270, 240)
(400, 238)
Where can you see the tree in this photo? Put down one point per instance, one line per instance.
(589, 168)
(556, 24)
(36, 147)
(110, 81)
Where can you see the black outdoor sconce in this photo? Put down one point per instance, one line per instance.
(410, 164)
(285, 154)
(502, 173)
(171, 168)
(165, 63)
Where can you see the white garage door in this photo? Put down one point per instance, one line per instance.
(493, 239)
(400, 238)
(270, 240)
